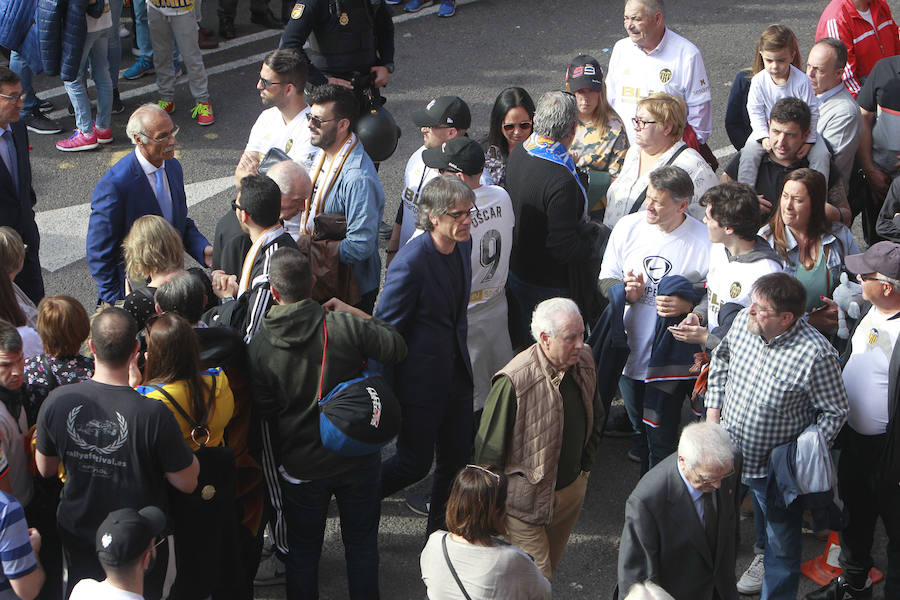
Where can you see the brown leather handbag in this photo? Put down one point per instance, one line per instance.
(333, 279)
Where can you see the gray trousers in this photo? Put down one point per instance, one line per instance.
(165, 32)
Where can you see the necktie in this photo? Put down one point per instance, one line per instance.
(710, 521)
(162, 194)
(10, 158)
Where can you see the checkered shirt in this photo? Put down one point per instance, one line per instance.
(769, 393)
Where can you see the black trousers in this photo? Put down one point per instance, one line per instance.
(868, 496)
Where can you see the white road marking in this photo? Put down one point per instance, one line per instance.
(64, 230)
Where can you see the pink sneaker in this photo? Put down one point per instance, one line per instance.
(104, 136)
(77, 142)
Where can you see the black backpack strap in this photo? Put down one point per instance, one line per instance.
(640, 199)
(453, 570)
(198, 430)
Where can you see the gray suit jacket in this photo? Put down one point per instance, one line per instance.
(663, 539)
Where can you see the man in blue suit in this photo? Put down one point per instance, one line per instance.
(425, 296)
(149, 181)
(16, 194)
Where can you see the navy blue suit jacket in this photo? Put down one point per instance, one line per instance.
(122, 196)
(420, 300)
(17, 211)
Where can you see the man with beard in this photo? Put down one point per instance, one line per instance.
(345, 182)
(771, 377)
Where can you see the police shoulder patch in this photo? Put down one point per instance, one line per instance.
(297, 11)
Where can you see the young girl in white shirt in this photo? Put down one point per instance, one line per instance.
(778, 75)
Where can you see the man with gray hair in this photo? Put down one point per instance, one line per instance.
(542, 424)
(425, 297)
(644, 253)
(553, 239)
(148, 181)
(681, 519)
(653, 58)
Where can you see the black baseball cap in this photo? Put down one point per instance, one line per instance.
(445, 111)
(125, 534)
(883, 257)
(460, 155)
(584, 72)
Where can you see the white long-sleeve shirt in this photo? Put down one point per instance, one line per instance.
(764, 93)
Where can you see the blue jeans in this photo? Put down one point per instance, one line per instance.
(359, 507)
(114, 55)
(18, 65)
(142, 30)
(783, 546)
(96, 53)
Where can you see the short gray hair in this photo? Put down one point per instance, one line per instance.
(651, 7)
(674, 180)
(648, 591)
(556, 115)
(705, 443)
(546, 316)
(137, 122)
(286, 174)
(439, 196)
(840, 51)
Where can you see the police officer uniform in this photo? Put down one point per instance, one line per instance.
(346, 37)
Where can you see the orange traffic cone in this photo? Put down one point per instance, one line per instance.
(825, 567)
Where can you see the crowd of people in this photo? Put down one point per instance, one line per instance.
(583, 252)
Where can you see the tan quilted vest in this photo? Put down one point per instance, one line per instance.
(533, 454)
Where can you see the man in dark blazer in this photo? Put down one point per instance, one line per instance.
(17, 197)
(149, 181)
(681, 520)
(425, 296)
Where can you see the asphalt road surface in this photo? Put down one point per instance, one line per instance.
(487, 46)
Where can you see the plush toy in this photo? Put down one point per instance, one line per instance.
(846, 296)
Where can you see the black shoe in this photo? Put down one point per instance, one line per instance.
(266, 19)
(44, 106)
(37, 122)
(117, 107)
(839, 589)
(226, 28)
(419, 503)
(618, 424)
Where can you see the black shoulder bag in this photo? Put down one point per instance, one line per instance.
(453, 570)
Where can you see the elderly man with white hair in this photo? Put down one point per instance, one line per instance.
(680, 520)
(148, 181)
(542, 424)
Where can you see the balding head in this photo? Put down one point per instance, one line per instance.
(295, 185)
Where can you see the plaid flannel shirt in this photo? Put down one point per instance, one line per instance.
(770, 392)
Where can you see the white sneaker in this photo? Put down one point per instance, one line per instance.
(270, 571)
(752, 579)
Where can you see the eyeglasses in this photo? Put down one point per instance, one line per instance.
(713, 479)
(870, 278)
(459, 215)
(762, 310)
(236, 206)
(480, 468)
(317, 121)
(641, 123)
(164, 137)
(267, 84)
(153, 319)
(14, 98)
(525, 125)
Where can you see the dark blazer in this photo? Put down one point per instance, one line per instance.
(663, 539)
(17, 211)
(122, 196)
(429, 309)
